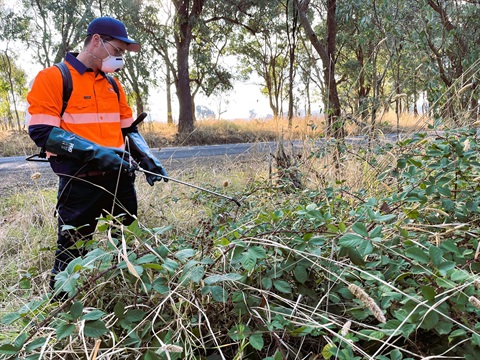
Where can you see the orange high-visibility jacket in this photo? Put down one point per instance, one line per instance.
(94, 111)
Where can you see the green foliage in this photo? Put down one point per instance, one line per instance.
(277, 281)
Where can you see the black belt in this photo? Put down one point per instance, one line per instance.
(93, 173)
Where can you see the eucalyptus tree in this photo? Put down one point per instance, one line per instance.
(262, 48)
(187, 16)
(358, 39)
(209, 72)
(157, 25)
(449, 38)
(56, 27)
(12, 77)
(193, 21)
(12, 90)
(327, 51)
(292, 28)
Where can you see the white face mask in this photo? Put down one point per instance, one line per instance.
(111, 63)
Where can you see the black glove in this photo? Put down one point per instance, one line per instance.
(141, 152)
(61, 142)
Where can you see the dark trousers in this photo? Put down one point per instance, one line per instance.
(80, 202)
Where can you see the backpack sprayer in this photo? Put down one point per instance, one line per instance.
(41, 157)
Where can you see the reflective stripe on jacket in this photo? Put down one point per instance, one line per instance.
(94, 112)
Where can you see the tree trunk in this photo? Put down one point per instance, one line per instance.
(169, 96)
(327, 54)
(185, 19)
(292, 43)
(185, 117)
(12, 90)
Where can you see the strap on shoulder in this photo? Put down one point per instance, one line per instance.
(112, 82)
(67, 84)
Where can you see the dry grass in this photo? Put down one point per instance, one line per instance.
(28, 223)
(15, 143)
(211, 132)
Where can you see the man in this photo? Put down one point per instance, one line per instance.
(86, 144)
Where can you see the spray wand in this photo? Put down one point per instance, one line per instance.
(138, 168)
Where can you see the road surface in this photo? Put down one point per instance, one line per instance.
(16, 172)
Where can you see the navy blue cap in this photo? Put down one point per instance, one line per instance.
(114, 28)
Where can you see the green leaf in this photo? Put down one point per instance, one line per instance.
(25, 283)
(282, 286)
(210, 280)
(386, 218)
(66, 282)
(170, 265)
(360, 229)
(194, 274)
(147, 259)
(350, 240)
(20, 340)
(444, 327)
(430, 321)
(436, 255)
(8, 349)
(418, 254)
(459, 275)
(267, 283)
(456, 333)
(444, 267)
(444, 190)
(35, 344)
(76, 310)
(161, 289)
(446, 284)
(184, 255)
(119, 310)
(93, 315)
(134, 315)
(256, 340)
(428, 293)
(301, 274)
(376, 232)
(10, 318)
(258, 252)
(65, 330)
(239, 332)
(95, 328)
(248, 261)
(218, 293)
(356, 258)
(396, 355)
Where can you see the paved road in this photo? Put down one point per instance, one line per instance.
(16, 171)
(18, 163)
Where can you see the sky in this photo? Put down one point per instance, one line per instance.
(236, 104)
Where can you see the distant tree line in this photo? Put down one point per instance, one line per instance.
(356, 57)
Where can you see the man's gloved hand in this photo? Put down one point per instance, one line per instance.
(154, 166)
(112, 159)
(140, 150)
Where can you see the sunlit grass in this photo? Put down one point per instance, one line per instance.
(209, 132)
